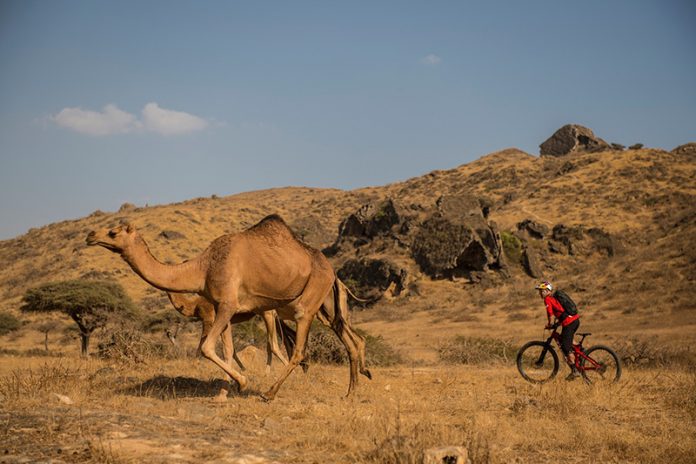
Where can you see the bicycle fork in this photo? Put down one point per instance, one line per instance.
(542, 355)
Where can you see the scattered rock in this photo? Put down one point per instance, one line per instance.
(446, 455)
(602, 241)
(311, 230)
(127, 207)
(370, 220)
(688, 149)
(530, 263)
(171, 235)
(533, 228)
(568, 236)
(64, 399)
(572, 138)
(577, 240)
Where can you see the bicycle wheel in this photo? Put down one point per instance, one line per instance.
(537, 362)
(608, 368)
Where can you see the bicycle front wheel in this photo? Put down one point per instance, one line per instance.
(602, 367)
(537, 362)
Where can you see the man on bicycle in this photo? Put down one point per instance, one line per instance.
(570, 324)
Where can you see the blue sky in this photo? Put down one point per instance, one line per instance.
(103, 103)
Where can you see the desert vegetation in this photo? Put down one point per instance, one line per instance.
(442, 323)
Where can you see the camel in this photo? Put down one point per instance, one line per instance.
(197, 306)
(260, 269)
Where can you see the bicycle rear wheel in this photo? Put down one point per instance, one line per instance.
(537, 362)
(607, 369)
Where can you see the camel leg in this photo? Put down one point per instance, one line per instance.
(289, 336)
(223, 314)
(303, 326)
(269, 318)
(229, 349)
(228, 354)
(341, 300)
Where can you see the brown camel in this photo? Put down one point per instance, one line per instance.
(262, 268)
(197, 306)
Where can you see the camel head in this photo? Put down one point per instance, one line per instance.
(118, 239)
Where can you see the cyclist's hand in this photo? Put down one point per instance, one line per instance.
(550, 326)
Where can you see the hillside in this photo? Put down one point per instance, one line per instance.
(643, 201)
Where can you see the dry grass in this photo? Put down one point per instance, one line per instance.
(162, 412)
(157, 408)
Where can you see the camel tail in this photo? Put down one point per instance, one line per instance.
(339, 319)
(349, 292)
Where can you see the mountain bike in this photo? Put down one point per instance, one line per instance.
(538, 362)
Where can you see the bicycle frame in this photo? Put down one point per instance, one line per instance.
(577, 349)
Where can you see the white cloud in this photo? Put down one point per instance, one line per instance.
(169, 122)
(431, 59)
(111, 120)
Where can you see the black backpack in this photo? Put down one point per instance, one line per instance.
(567, 302)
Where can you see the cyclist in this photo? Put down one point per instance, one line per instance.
(569, 323)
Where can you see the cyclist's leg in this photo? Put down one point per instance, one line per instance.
(567, 343)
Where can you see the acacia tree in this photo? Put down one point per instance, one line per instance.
(90, 303)
(45, 328)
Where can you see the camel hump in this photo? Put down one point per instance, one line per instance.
(274, 226)
(271, 219)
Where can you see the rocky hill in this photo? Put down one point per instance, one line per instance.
(616, 227)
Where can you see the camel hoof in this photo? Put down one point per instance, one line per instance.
(268, 396)
(366, 373)
(243, 384)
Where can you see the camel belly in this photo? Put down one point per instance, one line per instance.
(261, 273)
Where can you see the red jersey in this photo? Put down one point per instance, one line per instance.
(554, 309)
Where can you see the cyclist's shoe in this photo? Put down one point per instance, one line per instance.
(574, 374)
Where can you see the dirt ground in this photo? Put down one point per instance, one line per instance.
(67, 410)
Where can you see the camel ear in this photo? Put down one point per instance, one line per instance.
(129, 227)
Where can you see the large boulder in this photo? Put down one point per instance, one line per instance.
(456, 239)
(370, 221)
(688, 149)
(578, 240)
(533, 229)
(370, 278)
(572, 138)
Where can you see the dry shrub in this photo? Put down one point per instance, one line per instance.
(8, 323)
(476, 350)
(324, 347)
(33, 383)
(132, 346)
(642, 353)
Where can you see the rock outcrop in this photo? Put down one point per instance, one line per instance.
(372, 277)
(688, 149)
(369, 222)
(572, 138)
(578, 240)
(456, 239)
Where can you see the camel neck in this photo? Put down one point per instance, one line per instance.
(184, 277)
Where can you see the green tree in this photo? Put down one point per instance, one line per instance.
(90, 303)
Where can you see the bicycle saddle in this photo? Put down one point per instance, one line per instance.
(585, 334)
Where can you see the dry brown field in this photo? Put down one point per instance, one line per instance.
(161, 412)
(56, 407)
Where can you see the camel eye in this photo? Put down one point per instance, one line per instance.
(112, 234)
